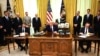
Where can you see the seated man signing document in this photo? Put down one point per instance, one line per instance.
(87, 30)
(24, 30)
(51, 27)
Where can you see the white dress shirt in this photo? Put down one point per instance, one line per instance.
(77, 17)
(52, 28)
(36, 18)
(7, 17)
(86, 30)
(23, 29)
(18, 19)
(88, 15)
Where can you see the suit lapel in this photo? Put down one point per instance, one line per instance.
(7, 19)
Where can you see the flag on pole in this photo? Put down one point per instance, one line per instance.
(62, 7)
(49, 12)
(8, 6)
(62, 10)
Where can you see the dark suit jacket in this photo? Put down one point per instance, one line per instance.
(7, 24)
(1, 24)
(96, 22)
(96, 25)
(16, 23)
(1, 21)
(36, 23)
(48, 28)
(89, 29)
(78, 22)
(20, 30)
(89, 19)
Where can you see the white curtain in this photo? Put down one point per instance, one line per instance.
(83, 5)
(56, 6)
(30, 6)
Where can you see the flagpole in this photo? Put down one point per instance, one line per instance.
(8, 6)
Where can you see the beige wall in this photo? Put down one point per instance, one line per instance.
(3, 5)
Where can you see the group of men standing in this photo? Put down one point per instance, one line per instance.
(94, 22)
(8, 24)
(88, 22)
(5, 27)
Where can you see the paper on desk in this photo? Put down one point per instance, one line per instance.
(39, 33)
(15, 35)
(83, 36)
(68, 33)
(22, 34)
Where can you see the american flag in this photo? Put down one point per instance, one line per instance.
(49, 12)
(62, 6)
(8, 6)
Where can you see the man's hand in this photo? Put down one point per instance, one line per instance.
(26, 33)
(5, 30)
(75, 25)
(55, 32)
(1, 27)
(80, 33)
(19, 26)
(42, 32)
(27, 26)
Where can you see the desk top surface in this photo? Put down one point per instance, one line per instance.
(87, 38)
(50, 37)
(40, 37)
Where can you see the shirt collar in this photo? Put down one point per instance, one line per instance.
(6, 17)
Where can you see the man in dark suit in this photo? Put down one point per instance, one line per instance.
(51, 28)
(36, 22)
(1, 32)
(97, 24)
(88, 18)
(22, 29)
(77, 23)
(17, 22)
(85, 30)
(7, 23)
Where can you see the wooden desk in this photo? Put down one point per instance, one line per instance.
(13, 39)
(50, 46)
(92, 38)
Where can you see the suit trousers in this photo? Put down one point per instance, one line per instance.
(19, 43)
(2, 38)
(85, 42)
